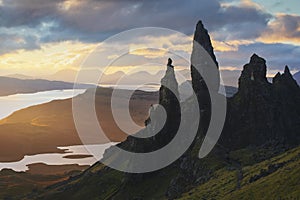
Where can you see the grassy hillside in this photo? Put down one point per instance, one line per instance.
(236, 178)
(13, 185)
(278, 178)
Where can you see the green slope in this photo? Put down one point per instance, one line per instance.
(283, 183)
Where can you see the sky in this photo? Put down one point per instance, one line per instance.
(42, 37)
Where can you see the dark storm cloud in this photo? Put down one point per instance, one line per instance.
(94, 20)
(241, 22)
(30, 13)
(12, 42)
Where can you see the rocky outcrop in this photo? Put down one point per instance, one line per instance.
(253, 74)
(286, 80)
(287, 96)
(261, 111)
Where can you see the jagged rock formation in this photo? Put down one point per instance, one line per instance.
(260, 111)
(287, 96)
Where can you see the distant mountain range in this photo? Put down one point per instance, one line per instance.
(136, 78)
(9, 86)
(69, 75)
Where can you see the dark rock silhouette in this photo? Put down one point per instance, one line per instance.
(170, 63)
(201, 40)
(202, 37)
(202, 59)
(261, 115)
(262, 112)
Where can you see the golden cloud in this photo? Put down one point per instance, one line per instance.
(49, 59)
(285, 28)
(232, 45)
(148, 52)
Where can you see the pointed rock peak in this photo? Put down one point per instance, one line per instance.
(276, 77)
(170, 63)
(255, 59)
(202, 37)
(287, 70)
(169, 78)
(200, 25)
(278, 74)
(168, 83)
(286, 79)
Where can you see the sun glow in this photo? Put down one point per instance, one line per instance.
(46, 60)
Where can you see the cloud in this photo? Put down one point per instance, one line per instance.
(30, 13)
(95, 20)
(284, 28)
(238, 28)
(277, 56)
(244, 20)
(49, 58)
(13, 42)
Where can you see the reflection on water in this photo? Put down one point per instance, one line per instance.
(59, 158)
(12, 103)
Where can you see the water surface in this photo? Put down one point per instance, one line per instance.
(59, 158)
(12, 103)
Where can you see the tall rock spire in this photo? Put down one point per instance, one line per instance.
(168, 85)
(169, 99)
(201, 39)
